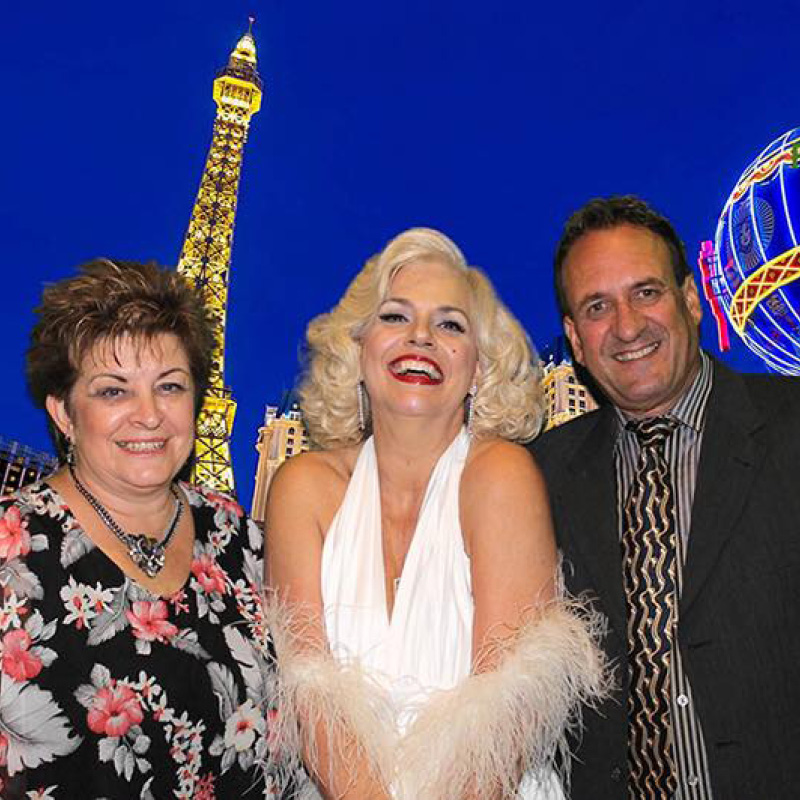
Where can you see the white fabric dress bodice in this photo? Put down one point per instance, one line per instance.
(427, 644)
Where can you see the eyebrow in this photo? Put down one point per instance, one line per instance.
(407, 303)
(649, 282)
(117, 377)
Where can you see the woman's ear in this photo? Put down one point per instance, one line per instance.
(476, 376)
(57, 409)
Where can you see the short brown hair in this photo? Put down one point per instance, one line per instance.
(604, 213)
(105, 301)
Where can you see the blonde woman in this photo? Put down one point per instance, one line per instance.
(422, 647)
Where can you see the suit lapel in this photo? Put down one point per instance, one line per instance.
(589, 504)
(729, 458)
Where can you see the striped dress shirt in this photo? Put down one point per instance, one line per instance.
(682, 453)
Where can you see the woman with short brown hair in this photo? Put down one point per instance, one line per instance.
(133, 661)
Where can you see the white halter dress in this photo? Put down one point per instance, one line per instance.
(426, 646)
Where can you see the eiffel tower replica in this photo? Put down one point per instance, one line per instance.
(206, 255)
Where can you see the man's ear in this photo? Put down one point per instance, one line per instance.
(692, 299)
(57, 409)
(574, 339)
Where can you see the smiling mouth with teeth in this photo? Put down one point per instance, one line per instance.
(143, 447)
(635, 355)
(413, 369)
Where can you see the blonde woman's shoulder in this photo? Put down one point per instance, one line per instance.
(495, 462)
(315, 481)
(495, 454)
(501, 483)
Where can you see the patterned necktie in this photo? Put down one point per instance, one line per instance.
(649, 543)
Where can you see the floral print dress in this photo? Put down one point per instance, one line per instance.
(109, 691)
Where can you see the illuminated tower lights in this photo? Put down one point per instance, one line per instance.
(206, 256)
(708, 263)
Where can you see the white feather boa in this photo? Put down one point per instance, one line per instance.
(341, 700)
(480, 736)
(466, 742)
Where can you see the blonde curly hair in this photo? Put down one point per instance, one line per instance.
(508, 401)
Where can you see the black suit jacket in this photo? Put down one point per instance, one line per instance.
(739, 613)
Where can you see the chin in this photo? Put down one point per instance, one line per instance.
(154, 476)
(641, 403)
(151, 483)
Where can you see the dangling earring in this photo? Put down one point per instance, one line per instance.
(469, 402)
(70, 452)
(363, 406)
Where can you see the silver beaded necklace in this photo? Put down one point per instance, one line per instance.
(147, 553)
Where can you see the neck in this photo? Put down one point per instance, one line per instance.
(136, 510)
(407, 450)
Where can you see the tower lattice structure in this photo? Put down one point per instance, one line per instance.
(206, 255)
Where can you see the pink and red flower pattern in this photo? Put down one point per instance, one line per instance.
(19, 662)
(149, 621)
(114, 710)
(208, 574)
(15, 541)
(141, 667)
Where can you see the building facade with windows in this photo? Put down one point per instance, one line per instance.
(21, 465)
(564, 395)
(282, 436)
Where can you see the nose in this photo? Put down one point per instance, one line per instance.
(628, 322)
(420, 333)
(147, 411)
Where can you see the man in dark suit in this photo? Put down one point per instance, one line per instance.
(726, 489)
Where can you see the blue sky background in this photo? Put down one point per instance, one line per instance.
(490, 121)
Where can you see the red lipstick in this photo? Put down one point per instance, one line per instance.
(416, 369)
